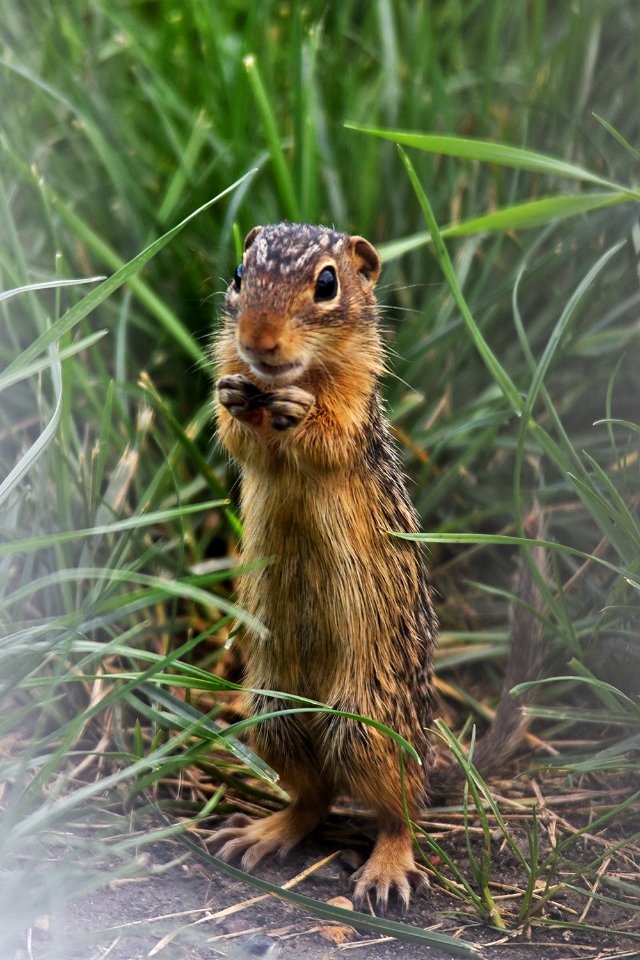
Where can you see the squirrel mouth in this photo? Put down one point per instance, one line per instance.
(276, 371)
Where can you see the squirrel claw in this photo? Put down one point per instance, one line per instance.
(250, 841)
(238, 840)
(386, 879)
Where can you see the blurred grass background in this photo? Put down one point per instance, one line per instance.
(122, 118)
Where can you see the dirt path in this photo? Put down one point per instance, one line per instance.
(174, 910)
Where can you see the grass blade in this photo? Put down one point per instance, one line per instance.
(280, 168)
(23, 373)
(488, 152)
(79, 311)
(519, 216)
(37, 448)
(499, 374)
(46, 285)
(507, 540)
(107, 529)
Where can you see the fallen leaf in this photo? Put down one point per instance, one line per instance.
(337, 934)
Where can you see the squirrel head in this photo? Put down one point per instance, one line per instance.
(302, 298)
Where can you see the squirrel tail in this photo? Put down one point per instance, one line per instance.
(526, 657)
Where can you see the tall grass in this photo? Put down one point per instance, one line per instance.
(512, 356)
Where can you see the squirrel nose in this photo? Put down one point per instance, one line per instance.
(263, 343)
(261, 338)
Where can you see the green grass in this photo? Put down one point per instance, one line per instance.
(137, 142)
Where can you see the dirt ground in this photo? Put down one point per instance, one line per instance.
(178, 908)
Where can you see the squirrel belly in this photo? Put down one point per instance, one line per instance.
(347, 606)
(348, 615)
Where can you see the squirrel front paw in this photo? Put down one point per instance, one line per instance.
(238, 395)
(289, 406)
(242, 399)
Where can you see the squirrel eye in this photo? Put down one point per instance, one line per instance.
(326, 284)
(237, 277)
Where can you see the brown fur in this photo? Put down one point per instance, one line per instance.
(347, 607)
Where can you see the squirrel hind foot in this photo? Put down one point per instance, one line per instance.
(251, 841)
(390, 870)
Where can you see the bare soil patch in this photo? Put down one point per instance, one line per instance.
(170, 905)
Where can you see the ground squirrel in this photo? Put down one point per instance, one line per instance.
(347, 607)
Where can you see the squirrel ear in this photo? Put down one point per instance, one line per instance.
(366, 258)
(250, 237)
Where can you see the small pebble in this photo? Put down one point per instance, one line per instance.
(340, 902)
(258, 945)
